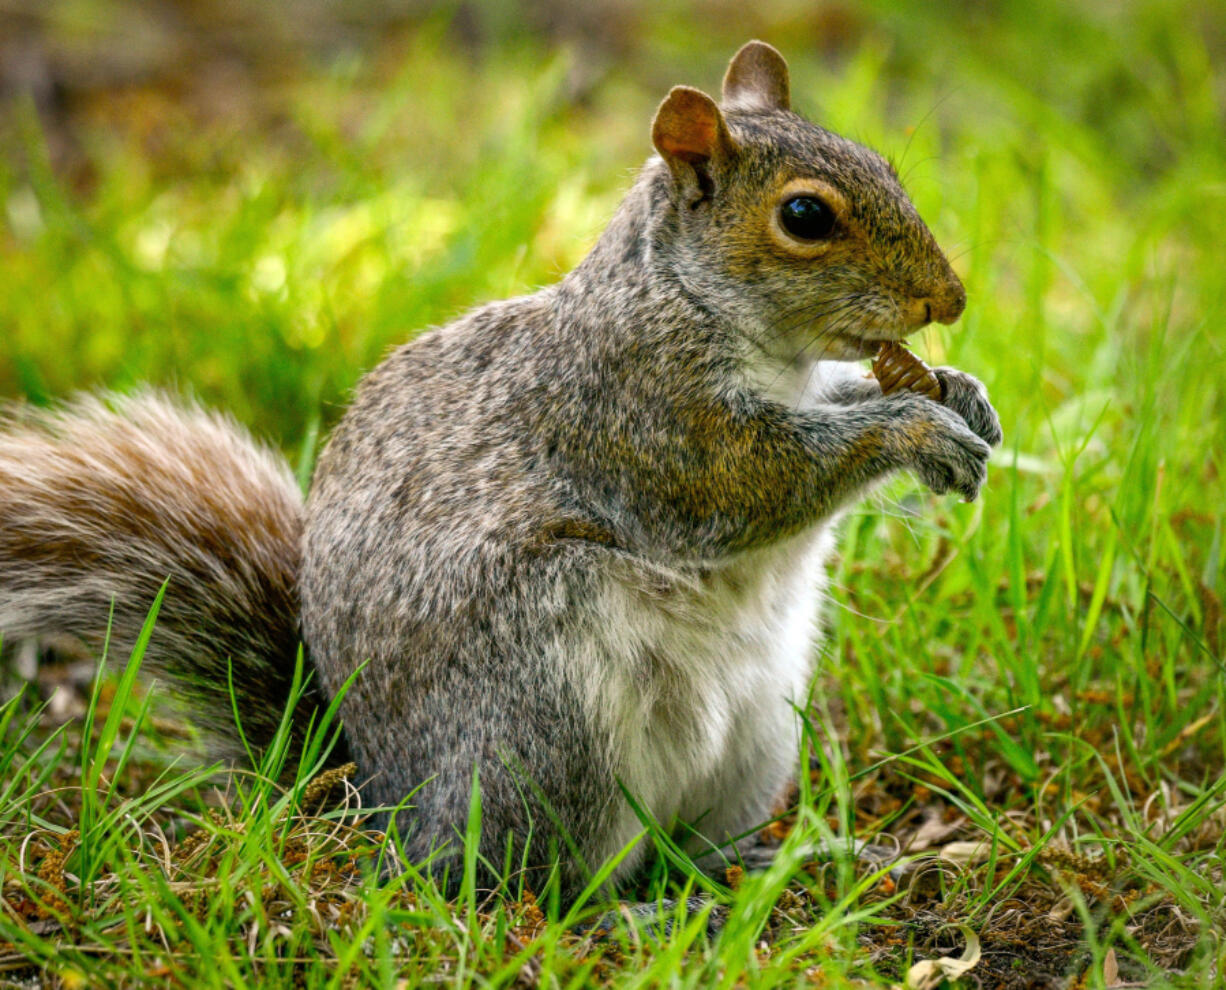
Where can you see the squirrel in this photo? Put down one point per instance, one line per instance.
(575, 541)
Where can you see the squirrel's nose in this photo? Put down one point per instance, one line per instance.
(944, 306)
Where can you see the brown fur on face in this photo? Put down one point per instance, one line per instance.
(881, 263)
(880, 276)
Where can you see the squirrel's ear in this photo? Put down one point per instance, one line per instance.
(757, 78)
(689, 132)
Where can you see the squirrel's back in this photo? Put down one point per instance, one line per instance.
(104, 500)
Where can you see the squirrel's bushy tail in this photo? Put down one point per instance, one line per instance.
(107, 498)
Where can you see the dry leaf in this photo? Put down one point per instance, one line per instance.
(933, 830)
(1111, 970)
(931, 973)
(966, 853)
(1060, 910)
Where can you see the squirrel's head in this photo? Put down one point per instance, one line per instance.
(802, 232)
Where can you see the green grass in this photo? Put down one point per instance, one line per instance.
(1042, 669)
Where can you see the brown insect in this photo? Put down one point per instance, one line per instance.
(896, 368)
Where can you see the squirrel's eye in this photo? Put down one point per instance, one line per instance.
(807, 218)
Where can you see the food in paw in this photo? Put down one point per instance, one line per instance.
(896, 368)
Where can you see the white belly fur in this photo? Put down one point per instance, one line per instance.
(698, 681)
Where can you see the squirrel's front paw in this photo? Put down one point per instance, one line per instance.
(940, 447)
(966, 395)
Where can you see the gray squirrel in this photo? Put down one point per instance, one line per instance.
(577, 538)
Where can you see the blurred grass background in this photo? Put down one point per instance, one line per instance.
(253, 202)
